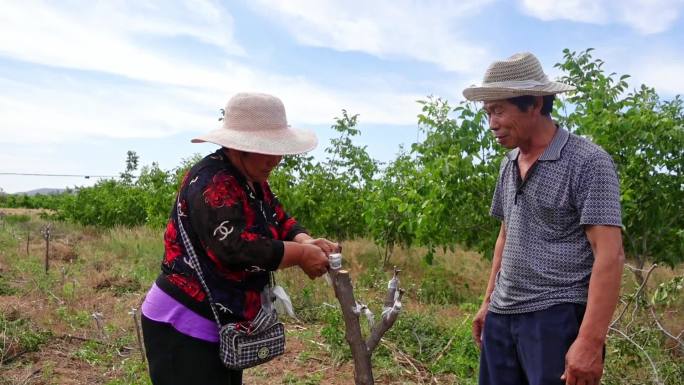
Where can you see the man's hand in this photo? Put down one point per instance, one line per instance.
(583, 363)
(478, 324)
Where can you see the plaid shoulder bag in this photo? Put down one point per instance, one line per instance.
(240, 348)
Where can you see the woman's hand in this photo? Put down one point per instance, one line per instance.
(310, 254)
(324, 244)
(313, 261)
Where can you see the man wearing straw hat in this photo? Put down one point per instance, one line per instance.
(558, 258)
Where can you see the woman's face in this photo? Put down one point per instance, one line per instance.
(259, 166)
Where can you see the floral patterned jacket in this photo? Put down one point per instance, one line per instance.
(237, 233)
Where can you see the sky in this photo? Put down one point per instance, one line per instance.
(83, 82)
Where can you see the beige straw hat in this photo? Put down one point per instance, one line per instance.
(255, 122)
(520, 74)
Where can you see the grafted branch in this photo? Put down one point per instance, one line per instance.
(360, 349)
(390, 311)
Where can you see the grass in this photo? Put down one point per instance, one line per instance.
(108, 272)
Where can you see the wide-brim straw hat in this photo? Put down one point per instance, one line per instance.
(255, 122)
(520, 74)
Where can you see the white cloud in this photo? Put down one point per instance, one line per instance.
(658, 65)
(174, 95)
(661, 70)
(650, 16)
(426, 31)
(44, 113)
(645, 16)
(104, 39)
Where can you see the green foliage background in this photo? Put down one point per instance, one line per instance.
(436, 193)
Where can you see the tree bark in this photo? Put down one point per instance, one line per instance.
(360, 349)
(363, 372)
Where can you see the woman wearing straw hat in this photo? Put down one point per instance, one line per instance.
(558, 259)
(239, 233)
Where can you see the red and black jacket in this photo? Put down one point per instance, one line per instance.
(237, 233)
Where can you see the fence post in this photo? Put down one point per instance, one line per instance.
(133, 313)
(46, 235)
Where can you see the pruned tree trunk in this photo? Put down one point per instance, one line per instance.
(361, 349)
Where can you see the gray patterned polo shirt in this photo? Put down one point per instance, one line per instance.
(547, 258)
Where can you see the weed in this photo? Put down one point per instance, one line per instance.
(14, 219)
(76, 319)
(440, 286)
(93, 353)
(19, 335)
(333, 333)
(309, 379)
(443, 348)
(132, 371)
(5, 287)
(374, 277)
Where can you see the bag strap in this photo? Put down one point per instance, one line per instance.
(194, 261)
(195, 265)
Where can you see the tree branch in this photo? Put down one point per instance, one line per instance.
(390, 312)
(363, 372)
(389, 316)
(643, 284)
(667, 333)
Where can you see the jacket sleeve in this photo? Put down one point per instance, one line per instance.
(222, 219)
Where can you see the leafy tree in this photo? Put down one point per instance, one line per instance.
(131, 165)
(328, 197)
(157, 190)
(390, 208)
(459, 165)
(645, 136)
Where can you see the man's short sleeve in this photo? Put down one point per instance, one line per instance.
(496, 210)
(598, 193)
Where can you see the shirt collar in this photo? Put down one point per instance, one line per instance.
(552, 151)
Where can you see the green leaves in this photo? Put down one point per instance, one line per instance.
(328, 197)
(668, 292)
(645, 137)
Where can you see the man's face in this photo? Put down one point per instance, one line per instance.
(510, 126)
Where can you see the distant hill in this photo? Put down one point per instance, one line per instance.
(42, 191)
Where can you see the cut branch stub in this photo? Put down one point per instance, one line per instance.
(363, 373)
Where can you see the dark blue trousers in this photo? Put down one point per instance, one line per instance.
(528, 348)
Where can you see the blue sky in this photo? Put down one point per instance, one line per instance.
(82, 82)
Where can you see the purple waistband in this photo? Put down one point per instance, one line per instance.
(161, 307)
